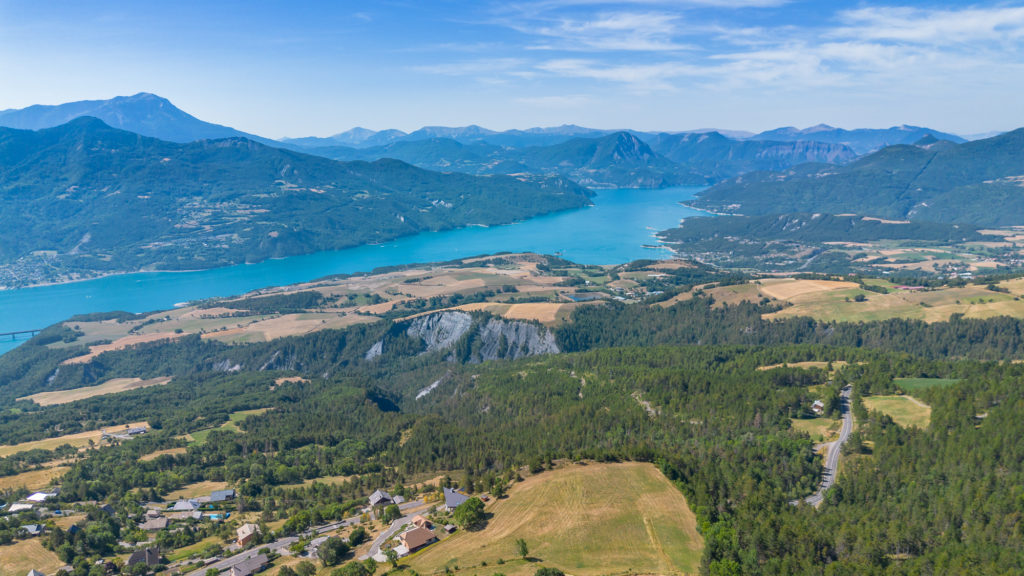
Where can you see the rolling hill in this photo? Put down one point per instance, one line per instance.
(84, 198)
(976, 182)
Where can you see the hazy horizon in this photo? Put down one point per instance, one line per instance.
(746, 65)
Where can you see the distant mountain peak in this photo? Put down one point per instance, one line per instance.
(142, 113)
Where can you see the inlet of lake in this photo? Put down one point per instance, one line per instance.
(614, 230)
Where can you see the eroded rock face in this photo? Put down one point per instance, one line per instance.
(491, 339)
(440, 331)
(505, 339)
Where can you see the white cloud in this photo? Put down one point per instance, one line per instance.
(940, 27)
(608, 31)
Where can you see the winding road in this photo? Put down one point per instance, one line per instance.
(832, 450)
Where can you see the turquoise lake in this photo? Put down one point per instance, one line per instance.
(612, 231)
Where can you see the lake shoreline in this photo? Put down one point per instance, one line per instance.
(354, 246)
(616, 229)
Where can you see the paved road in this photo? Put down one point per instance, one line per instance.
(277, 546)
(832, 450)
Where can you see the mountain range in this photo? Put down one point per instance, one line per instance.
(861, 140)
(702, 156)
(86, 197)
(978, 182)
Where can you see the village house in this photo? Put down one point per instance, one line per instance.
(249, 567)
(185, 505)
(221, 495)
(452, 499)
(32, 529)
(420, 522)
(148, 556)
(154, 524)
(246, 533)
(416, 538)
(34, 572)
(818, 407)
(380, 498)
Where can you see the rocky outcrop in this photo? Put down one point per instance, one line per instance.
(440, 331)
(504, 339)
(485, 337)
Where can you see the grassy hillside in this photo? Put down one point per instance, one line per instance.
(585, 520)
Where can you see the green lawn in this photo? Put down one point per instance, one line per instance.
(904, 410)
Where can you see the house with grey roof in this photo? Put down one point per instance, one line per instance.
(34, 572)
(32, 529)
(154, 524)
(249, 567)
(185, 505)
(222, 495)
(147, 556)
(452, 499)
(380, 498)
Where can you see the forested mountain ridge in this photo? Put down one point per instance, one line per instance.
(717, 157)
(976, 182)
(620, 159)
(85, 198)
(861, 140)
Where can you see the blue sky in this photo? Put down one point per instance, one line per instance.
(318, 68)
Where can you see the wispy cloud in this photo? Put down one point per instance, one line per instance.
(617, 31)
(937, 27)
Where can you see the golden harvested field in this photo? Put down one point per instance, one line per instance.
(543, 312)
(66, 522)
(79, 440)
(585, 520)
(112, 386)
(929, 305)
(159, 453)
(195, 490)
(120, 344)
(789, 288)
(275, 327)
(17, 559)
(904, 410)
(34, 480)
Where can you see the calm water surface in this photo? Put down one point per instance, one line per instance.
(612, 231)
